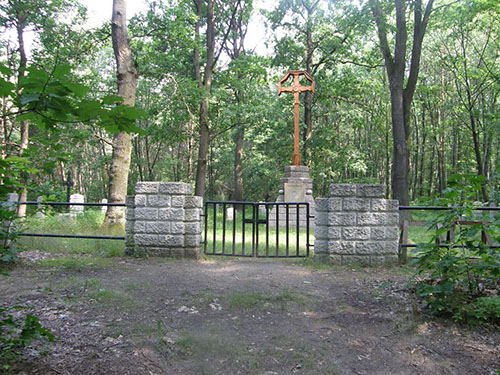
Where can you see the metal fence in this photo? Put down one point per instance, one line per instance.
(403, 240)
(32, 203)
(257, 229)
(444, 242)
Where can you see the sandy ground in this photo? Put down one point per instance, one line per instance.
(231, 316)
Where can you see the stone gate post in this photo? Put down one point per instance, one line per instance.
(164, 219)
(356, 225)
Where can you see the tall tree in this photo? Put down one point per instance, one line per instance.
(401, 94)
(215, 28)
(239, 27)
(122, 142)
(22, 15)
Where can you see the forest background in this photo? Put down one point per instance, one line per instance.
(200, 87)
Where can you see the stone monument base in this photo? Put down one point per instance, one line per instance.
(296, 187)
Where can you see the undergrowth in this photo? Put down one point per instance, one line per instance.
(460, 280)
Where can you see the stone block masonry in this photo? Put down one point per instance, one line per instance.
(164, 219)
(295, 187)
(356, 225)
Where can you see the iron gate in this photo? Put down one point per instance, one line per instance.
(248, 229)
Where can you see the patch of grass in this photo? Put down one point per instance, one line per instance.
(318, 264)
(111, 298)
(246, 300)
(89, 223)
(185, 346)
(76, 288)
(77, 263)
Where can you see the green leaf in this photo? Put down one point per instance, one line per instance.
(112, 99)
(5, 71)
(78, 89)
(6, 88)
(29, 98)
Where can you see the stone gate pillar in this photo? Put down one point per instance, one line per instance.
(356, 225)
(164, 219)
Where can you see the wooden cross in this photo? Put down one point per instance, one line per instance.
(296, 89)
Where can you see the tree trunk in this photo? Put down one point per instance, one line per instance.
(201, 168)
(308, 102)
(122, 145)
(25, 125)
(401, 97)
(238, 157)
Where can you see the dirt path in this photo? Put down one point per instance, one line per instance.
(136, 316)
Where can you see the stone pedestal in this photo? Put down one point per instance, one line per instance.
(296, 187)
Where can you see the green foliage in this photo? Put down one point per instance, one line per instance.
(54, 97)
(10, 171)
(18, 333)
(460, 280)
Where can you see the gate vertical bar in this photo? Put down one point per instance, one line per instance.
(254, 232)
(287, 227)
(267, 230)
(206, 228)
(297, 231)
(234, 229)
(223, 228)
(307, 229)
(215, 229)
(277, 229)
(243, 231)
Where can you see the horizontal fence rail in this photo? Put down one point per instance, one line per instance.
(71, 236)
(440, 208)
(90, 204)
(72, 204)
(403, 245)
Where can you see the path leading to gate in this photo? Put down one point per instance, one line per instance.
(151, 316)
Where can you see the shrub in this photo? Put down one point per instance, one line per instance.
(460, 280)
(16, 334)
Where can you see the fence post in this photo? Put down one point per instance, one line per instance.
(356, 225)
(164, 219)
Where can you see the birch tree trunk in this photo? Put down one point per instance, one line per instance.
(25, 125)
(122, 142)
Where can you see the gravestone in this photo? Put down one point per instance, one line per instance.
(104, 208)
(230, 213)
(39, 208)
(76, 198)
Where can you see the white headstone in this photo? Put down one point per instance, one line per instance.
(76, 198)
(39, 209)
(230, 213)
(104, 208)
(262, 209)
